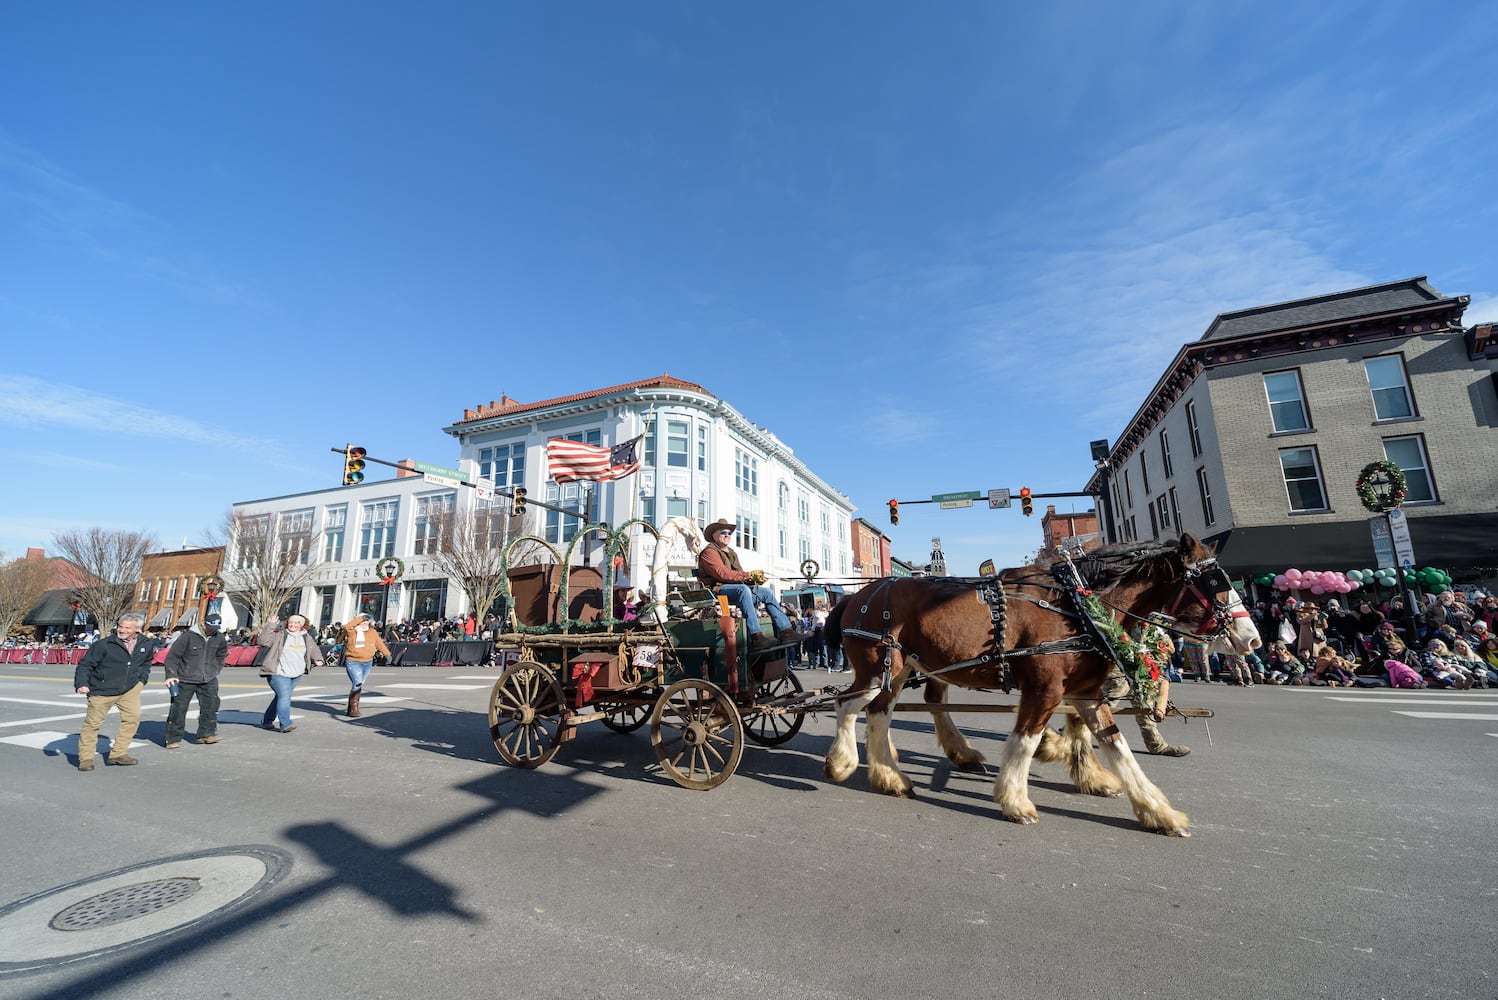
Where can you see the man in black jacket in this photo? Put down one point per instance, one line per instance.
(192, 668)
(112, 674)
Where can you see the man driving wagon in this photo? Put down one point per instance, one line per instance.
(719, 570)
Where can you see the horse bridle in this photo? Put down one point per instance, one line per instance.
(1202, 582)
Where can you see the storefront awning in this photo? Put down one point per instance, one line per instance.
(189, 617)
(1453, 542)
(160, 619)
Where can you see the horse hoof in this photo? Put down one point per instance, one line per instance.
(1178, 832)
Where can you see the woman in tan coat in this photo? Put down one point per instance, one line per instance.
(361, 643)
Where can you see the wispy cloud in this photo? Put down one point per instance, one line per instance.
(33, 402)
(61, 209)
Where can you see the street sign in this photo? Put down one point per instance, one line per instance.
(441, 480)
(954, 504)
(998, 498)
(944, 497)
(1399, 532)
(483, 493)
(1383, 544)
(439, 470)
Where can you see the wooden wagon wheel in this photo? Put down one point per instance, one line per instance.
(771, 729)
(697, 734)
(626, 718)
(525, 714)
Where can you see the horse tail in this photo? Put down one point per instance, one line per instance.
(832, 632)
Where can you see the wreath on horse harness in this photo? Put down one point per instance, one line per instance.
(1100, 634)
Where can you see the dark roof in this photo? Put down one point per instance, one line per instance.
(53, 608)
(1449, 541)
(1319, 310)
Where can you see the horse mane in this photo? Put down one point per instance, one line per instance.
(1111, 565)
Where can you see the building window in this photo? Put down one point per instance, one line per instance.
(503, 465)
(431, 513)
(296, 536)
(1303, 479)
(1144, 473)
(325, 596)
(647, 509)
(827, 556)
(1409, 454)
(171, 589)
(562, 528)
(1154, 524)
(805, 548)
(746, 536)
(145, 590)
(780, 542)
(377, 529)
(676, 443)
(649, 457)
(1162, 511)
(803, 511)
(1390, 387)
(335, 519)
(1165, 453)
(1204, 487)
(745, 472)
(677, 507)
(1175, 509)
(702, 447)
(1131, 529)
(1193, 429)
(1128, 489)
(1287, 408)
(702, 518)
(826, 521)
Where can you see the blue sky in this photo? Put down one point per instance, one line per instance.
(934, 247)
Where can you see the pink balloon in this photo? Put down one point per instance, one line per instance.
(1281, 582)
(1353, 585)
(1292, 575)
(1318, 589)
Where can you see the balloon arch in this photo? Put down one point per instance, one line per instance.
(1345, 582)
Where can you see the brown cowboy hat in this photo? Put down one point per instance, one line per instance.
(711, 531)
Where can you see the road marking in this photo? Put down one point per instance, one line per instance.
(1450, 715)
(475, 677)
(38, 701)
(65, 743)
(439, 687)
(1415, 701)
(371, 699)
(143, 708)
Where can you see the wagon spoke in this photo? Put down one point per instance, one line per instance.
(697, 734)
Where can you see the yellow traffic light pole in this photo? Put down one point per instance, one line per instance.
(518, 498)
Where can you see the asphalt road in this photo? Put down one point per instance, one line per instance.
(1343, 847)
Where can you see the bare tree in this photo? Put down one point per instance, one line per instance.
(469, 546)
(110, 562)
(267, 560)
(22, 582)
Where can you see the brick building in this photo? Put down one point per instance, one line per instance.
(1255, 435)
(167, 592)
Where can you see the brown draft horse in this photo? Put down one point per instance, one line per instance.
(930, 625)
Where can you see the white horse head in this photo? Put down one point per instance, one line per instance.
(677, 529)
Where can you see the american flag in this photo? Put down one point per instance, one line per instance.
(569, 461)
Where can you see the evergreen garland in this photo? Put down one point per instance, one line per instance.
(1137, 658)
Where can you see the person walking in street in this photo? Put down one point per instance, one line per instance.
(719, 570)
(361, 644)
(192, 668)
(290, 655)
(112, 674)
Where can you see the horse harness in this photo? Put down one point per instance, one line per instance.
(1091, 640)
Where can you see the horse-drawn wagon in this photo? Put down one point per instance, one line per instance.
(685, 667)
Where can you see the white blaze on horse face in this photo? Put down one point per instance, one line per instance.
(1242, 636)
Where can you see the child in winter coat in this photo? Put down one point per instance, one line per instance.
(1284, 668)
(1402, 675)
(1332, 670)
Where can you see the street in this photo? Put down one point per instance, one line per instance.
(1343, 847)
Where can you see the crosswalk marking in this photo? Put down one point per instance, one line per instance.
(1418, 701)
(439, 687)
(1485, 717)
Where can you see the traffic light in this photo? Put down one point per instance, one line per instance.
(517, 501)
(1026, 505)
(353, 465)
(894, 512)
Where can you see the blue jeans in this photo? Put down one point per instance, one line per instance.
(357, 672)
(280, 706)
(744, 596)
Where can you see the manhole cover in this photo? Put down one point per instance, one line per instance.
(129, 907)
(124, 904)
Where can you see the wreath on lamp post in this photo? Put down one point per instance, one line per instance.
(390, 569)
(1386, 474)
(211, 586)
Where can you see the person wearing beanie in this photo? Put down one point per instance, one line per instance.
(192, 668)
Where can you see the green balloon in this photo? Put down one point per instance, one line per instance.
(1439, 588)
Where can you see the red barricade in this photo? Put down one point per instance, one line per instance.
(159, 657)
(13, 655)
(57, 656)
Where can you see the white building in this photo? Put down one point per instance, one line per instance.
(699, 457)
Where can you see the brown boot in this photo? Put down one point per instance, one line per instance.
(1155, 743)
(353, 704)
